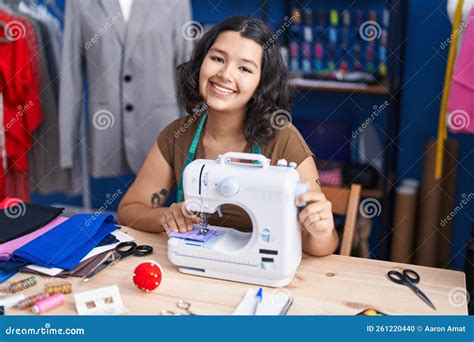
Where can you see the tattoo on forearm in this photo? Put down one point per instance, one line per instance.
(156, 199)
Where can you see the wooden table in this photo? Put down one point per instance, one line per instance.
(332, 285)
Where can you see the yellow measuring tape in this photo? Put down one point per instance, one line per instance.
(443, 112)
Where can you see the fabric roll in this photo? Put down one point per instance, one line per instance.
(404, 224)
(450, 163)
(429, 223)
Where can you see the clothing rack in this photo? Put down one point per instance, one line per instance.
(3, 150)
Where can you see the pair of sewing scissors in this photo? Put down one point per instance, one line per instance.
(122, 250)
(410, 278)
(182, 305)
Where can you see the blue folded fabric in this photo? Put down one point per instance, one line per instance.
(4, 276)
(66, 244)
(13, 266)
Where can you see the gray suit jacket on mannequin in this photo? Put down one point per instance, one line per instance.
(130, 71)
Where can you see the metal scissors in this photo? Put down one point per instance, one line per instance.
(182, 305)
(410, 278)
(122, 250)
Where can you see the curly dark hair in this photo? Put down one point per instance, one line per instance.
(271, 94)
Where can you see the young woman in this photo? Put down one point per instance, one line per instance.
(235, 82)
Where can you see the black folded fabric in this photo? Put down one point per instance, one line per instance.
(24, 218)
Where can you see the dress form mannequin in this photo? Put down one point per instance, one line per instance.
(466, 10)
(126, 8)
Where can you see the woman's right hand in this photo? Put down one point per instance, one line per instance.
(177, 219)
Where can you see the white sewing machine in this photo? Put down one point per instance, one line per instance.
(271, 253)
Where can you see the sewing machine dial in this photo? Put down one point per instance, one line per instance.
(229, 186)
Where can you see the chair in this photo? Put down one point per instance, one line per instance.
(345, 202)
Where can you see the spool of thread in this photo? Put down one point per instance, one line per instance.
(30, 301)
(64, 288)
(48, 303)
(21, 285)
(12, 300)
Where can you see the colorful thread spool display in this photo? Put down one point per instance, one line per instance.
(147, 276)
(30, 301)
(48, 303)
(20, 285)
(64, 288)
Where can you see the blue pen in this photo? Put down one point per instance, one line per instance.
(258, 300)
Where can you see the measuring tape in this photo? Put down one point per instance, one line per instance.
(443, 112)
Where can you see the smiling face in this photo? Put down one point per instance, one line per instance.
(230, 72)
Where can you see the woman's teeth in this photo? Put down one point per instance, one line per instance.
(222, 90)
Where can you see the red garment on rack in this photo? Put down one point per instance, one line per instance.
(17, 184)
(9, 201)
(19, 83)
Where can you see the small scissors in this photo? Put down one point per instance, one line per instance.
(410, 278)
(122, 250)
(182, 305)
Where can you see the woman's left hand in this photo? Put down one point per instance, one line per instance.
(317, 216)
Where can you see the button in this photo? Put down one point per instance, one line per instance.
(129, 107)
(282, 162)
(266, 235)
(300, 189)
(267, 265)
(127, 78)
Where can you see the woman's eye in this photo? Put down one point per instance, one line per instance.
(217, 59)
(244, 69)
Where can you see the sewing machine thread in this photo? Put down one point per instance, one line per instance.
(30, 301)
(48, 303)
(64, 288)
(21, 285)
